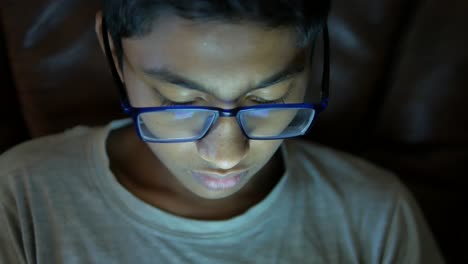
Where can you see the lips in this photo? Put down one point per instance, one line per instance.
(217, 182)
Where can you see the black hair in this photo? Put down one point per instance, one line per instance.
(134, 18)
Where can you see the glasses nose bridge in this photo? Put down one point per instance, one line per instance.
(225, 113)
(228, 112)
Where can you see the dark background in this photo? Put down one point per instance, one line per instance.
(399, 95)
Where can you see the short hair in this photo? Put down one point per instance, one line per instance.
(135, 18)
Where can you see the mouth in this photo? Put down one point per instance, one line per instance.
(218, 182)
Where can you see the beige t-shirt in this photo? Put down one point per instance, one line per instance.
(60, 203)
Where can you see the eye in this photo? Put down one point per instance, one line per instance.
(259, 100)
(167, 102)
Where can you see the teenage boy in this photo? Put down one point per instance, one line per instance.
(202, 172)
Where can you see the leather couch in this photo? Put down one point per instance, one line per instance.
(399, 90)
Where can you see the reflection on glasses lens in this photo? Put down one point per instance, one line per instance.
(276, 122)
(192, 124)
(177, 124)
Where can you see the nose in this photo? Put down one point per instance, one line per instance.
(225, 145)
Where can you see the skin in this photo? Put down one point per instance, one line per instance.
(228, 60)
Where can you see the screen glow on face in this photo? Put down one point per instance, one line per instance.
(192, 123)
(229, 60)
(175, 124)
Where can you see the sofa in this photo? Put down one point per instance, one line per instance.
(398, 87)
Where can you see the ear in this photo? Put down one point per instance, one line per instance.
(99, 34)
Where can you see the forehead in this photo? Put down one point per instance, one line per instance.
(213, 51)
(212, 38)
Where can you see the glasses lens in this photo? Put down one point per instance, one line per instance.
(276, 122)
(175, 124)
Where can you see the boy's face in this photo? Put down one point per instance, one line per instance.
(226, 61)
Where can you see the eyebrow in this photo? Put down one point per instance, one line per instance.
(166, 75)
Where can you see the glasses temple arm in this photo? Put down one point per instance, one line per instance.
(120, 86)
(326, 68)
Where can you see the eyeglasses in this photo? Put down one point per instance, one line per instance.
(172, 124)
(191, 123)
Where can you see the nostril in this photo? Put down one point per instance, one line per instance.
(225, 165)
(225, 155)
(224, 146)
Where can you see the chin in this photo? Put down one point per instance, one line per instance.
(215, 194)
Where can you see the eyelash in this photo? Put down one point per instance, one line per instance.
(277, 101)
(167, 102)
(262, 101)
(259, 100)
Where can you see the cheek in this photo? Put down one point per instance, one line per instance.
(262, 150)
(171, 155)
(175, 156)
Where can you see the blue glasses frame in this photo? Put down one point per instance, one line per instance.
(134, 112)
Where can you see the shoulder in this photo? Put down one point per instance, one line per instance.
(37, 150)
(31, 175)
(361, 198)
(344, 179)
(40, 158)
(336, 165)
